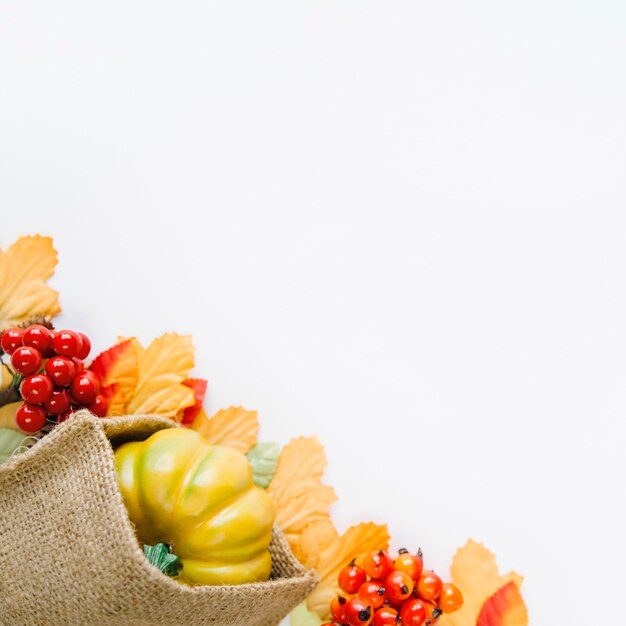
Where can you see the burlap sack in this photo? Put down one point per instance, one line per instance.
(69, 555)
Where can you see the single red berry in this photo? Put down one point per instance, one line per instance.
(66, 343)
(358, 613)
(85, 346)
(377, 564)
(11, 340)
(61, 370)
(372, 592)
(413, 612)
(338, 609)
(26, 360)
(85, 388)
(351, 577)
(59, 402)
(429, 586)
(36, 389)
(386, 616)
(79, 365)
(39, 337)
(399, 586)
(99, 406)
(30, 418)
(450, 598)
(412, 564)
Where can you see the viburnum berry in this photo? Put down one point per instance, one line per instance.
(99, 406)
(338, 609)
(39, 337)
(428, 586)
(386, 616)
(351, 577)
(412, 564)
(64, 416)
(59, 402)
(11, 340)
(30, 418)
(26, 360)
(79, 365)
(67, 343)
(36, 389)
(358, 612)
(432, 612)
(85, 346)
(413, 612)
(450, 598)
(377, 564)
(85, 388)
(399, 586)
(61, 370)
(372, 592)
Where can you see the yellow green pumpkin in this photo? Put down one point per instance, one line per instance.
(201, 500)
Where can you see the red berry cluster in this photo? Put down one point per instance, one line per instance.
(383, 591)
(50, 375)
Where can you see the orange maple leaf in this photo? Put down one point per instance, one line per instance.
(504, 608)
(475, 572)
(24, 269)
(234, 427)
(296, 489)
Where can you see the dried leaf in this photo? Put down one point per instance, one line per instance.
(263, 458)
(7, 415)
(163, 367)
(24, 269)
(301, 616)
(322, 548)
(188, 415)
(475, 573)
(234, 427)
(505, 608)
(298, 494)
(13, 442)
(118, 372)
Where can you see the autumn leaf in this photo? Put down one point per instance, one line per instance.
(234, 427)
(189, 414)
(298, 494)
(7, 415)
(264, 458)
(118, 372)
(505, 608)
(323, 549)
(24, 269)
(162, 368)
(475, 573)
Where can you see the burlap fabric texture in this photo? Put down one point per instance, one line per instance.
(69, 555)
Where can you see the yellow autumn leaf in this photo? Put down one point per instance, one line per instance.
(296, 489)
(475, 572)
(162, 367)
(322, 548)
(7, 415)
(234, 427)
(24, 269)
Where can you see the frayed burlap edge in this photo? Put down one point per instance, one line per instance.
(69, 555)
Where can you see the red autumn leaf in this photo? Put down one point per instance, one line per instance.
(504, 608)
(199, 386)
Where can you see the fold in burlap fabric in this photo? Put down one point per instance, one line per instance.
(69, 555)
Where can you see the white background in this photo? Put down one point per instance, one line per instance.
(399, 225)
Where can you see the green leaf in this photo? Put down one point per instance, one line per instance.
(162, 558)
(263, 458)
(12, 440)
(301, 616)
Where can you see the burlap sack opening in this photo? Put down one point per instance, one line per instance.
(69, 555)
